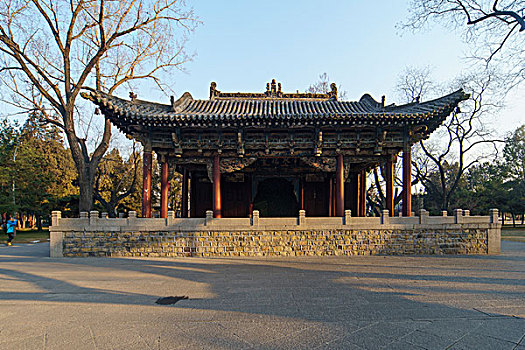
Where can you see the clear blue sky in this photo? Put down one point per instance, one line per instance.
(244, 44)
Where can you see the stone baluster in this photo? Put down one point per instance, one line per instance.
(209, 218)
(348, 216)
(170, 220)
(55, 217)
(494, 213)
(458, 215)
(93, 217)
(385, 217)
(255, 218)
(423, 217)
(302, 217)
(132, 217)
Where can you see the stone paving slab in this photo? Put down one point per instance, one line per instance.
(374, 302)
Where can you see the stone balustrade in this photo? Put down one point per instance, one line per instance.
(95, 235)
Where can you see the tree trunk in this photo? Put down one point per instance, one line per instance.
(86, 165)
(513, 220)
(85, 202)
(111, 207)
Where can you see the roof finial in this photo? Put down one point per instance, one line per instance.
(383, 100)
(274, 87)
(333, 92)
(213, 90)
(132, 96)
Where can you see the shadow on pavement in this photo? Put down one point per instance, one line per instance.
(359, 293)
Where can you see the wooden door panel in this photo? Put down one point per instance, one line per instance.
(316, 198)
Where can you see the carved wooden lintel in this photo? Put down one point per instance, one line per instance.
(326, 164)
(291, 144)
(230, 165)
(318, 144)
(240, 144)
(175, 138)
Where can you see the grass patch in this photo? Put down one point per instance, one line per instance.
(27, 236)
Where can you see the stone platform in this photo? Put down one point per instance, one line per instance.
(92, 235)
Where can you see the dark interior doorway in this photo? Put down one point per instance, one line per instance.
(275, 198)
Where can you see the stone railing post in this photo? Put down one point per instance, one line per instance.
(56, 239)
(170, 218)
(55, 217)
(255, 218)
(494, 234)
(385, 217)
(93, 217)
(302, 217)
(84, 216)
(132, 217)
(104, 215)
(494, 214)
(466, 212)
(423, 217)
(348, 216)
(458, 216)
(209, 218)
(444, 213)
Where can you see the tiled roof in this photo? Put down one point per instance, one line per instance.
(273, 110)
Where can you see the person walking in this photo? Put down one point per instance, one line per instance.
(11, 228)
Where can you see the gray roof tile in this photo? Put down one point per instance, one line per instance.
(287, 110)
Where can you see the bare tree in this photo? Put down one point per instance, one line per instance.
(463, 140)
(51, 50)
(376, 193)
(495, 28)
(322, 86)
(116, 179)
(413, 83)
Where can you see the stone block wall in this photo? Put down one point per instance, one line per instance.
(275, 243)
(266, 237)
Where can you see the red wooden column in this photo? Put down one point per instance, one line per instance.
(362, 193)
(389, 179)
(184, 204)
(164, 188)
(216, 187)
(407, 181)
(301, 194)
(147, 173)
(339, 187)
(330, 197)
(357, 193)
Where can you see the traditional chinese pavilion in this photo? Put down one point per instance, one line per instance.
(275, 152)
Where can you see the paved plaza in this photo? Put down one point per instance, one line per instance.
(372, 302)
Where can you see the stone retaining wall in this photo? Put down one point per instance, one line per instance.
(91, 235)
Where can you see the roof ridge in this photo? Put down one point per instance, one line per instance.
(273, 92)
